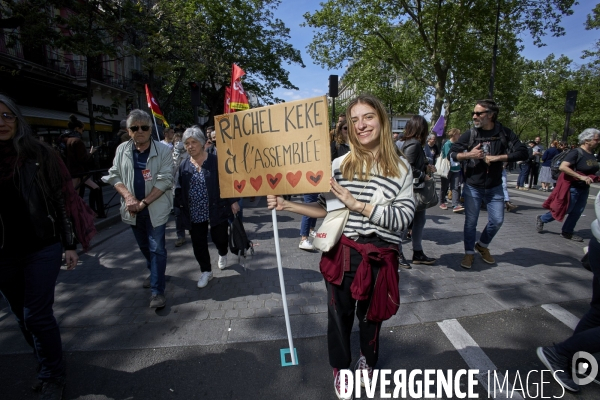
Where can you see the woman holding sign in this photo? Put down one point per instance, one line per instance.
(375, 184)
(197, 194)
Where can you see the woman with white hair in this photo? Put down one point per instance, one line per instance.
(570, 195)
(198, 196)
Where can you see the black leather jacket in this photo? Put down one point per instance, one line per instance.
(47, 212)
(414, 153)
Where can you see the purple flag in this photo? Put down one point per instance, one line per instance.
(439, 126)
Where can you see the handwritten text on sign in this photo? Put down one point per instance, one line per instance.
(279, 149)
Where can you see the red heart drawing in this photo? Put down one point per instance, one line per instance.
(292, 178)
(313, 178)
(239, 186)
(256, 182)
(274, 180)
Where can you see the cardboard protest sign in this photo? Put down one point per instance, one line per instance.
(279, 149)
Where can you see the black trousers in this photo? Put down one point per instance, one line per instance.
(534, 171)
(586, 336)
(340, 318)
(199, 236)
(27, 283)
(444, 189)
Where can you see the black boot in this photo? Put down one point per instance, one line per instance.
(402, 263)
(53, 389)
(420, 258)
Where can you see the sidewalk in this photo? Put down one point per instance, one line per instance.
(101, 305)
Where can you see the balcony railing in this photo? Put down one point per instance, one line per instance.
(67, 66)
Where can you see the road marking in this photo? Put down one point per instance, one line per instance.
(562, 315)
(475, 358)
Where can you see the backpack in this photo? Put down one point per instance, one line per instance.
(238, 240)
(558, 159)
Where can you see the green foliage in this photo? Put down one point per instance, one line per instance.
(444, 47)
(540, 111)
(593, 22)
(199, 40)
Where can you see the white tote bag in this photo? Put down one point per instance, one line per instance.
(442, 166)
(330, 232)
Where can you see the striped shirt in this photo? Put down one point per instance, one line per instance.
(392, 200)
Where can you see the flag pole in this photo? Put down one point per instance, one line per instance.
(155, 127)
(282, 284)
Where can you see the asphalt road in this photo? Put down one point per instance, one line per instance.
(253, 370)
(224, 341)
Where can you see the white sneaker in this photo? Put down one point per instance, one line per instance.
(222, 262)
(204, 278)
(362, 364)
(526, 185)
(306, 245)
(337, 386)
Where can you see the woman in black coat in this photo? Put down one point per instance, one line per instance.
(199, 197)
(415, 134)
(35, 228)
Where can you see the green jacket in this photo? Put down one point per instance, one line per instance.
(160, 164)
(454, 165)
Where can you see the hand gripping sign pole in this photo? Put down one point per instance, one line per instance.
(283, 295)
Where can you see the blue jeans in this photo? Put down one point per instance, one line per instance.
(27, 283)
(308, 223)
(522, 179)
(494, 199)
(151, 241)
(504, 186)
(587, 333)
(576, 206)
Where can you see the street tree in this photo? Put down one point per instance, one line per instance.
(429, 40)
(199, 40)
(540, 109)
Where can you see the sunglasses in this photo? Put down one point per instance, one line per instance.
(135, 128)
(479, 113)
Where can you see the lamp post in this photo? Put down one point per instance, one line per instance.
(494, 55)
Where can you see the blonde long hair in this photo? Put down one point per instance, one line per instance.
(359, 161)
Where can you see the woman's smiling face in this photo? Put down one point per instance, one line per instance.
(7, 129)
(367, 126)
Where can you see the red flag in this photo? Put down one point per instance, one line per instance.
(226, 107)
(153, 106)
(239, 101)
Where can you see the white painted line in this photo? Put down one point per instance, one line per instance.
(475, 358)
(562, 315)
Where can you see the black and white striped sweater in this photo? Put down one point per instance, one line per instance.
(392, 200)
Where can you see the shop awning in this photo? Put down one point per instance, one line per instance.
(59, 119)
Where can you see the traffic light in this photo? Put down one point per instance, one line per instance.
(333, 86)
(195, 91)
(571, 100)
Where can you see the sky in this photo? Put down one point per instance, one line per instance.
(313, 80)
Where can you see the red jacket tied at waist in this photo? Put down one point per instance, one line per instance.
(385, 299)
(558, 201)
